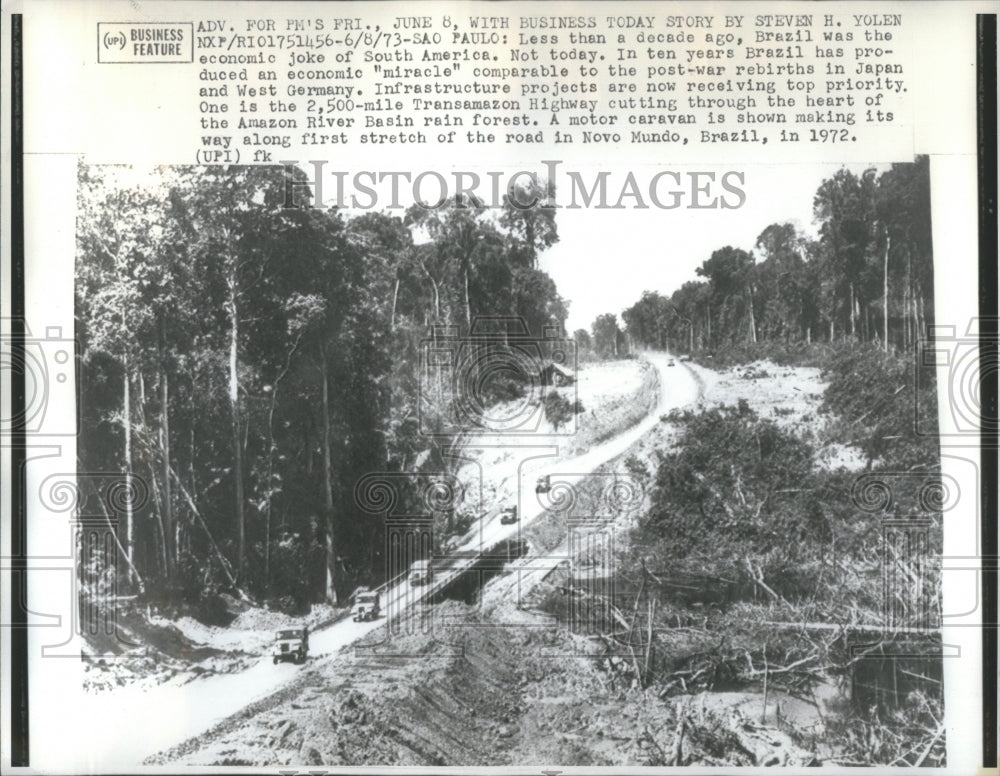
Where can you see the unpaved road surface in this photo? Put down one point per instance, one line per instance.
(122, 728)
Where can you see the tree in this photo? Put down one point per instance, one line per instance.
(904, 219)
(222, 217)
(730, 274)
(116, 261)
(530, 221)
(873, 256)
(606, 332)
(783, 281)
(459, 232)
(843, 207)
(646, 320)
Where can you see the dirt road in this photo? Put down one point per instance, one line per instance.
(114, 732)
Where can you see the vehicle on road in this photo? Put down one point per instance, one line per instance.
(291, 644)
(421, 573)
(671, 363)
(508, 516)
(367, 606)
(543, 484)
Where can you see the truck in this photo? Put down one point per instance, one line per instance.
(290, 644)
(421, 573)
(367, 606)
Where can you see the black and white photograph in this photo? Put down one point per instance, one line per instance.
(391, 503)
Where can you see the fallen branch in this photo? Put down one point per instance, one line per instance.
(780, 670)
(857, 627)
(930, 745)
(649, 635)
(675, 750)
(635, 662)
(635, 608)
(652, 741)
(758, 578)
(194, 509)
(114, 533)
(725, 506)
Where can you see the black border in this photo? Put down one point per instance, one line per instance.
(986, 76)
(19, 745)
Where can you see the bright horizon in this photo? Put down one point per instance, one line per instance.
(605, 259)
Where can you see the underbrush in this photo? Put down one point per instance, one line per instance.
(911, 734)
(753, 570)
(816, 354)
(885, 407)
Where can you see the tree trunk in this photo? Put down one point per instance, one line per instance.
(270, 462)
(129, 517)
(437, 293)
(851, 311)
(192, 479)
(910, 310)
(164, 554)
(753, 325)
(885, 294)
(168, 509)
(468, 303)
(331, 544)
(144, 425)
(227, 569)
(234, 402)
(395, 296)
(142, 400)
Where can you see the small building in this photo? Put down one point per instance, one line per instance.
(556, 374)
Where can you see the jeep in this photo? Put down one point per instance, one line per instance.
(291, 644)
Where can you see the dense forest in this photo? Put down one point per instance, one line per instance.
(246, 364)
(867, 278)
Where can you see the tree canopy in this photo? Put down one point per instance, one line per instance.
(867, 278)
(252, 362)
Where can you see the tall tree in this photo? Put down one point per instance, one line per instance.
(224, 217)
(903, 214)
(530, 220)
(843, 207)
(116, 260)
(459, 232)
(730, 274)
(783, 280)
(606, 332)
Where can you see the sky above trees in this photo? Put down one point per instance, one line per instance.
(605, 259)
